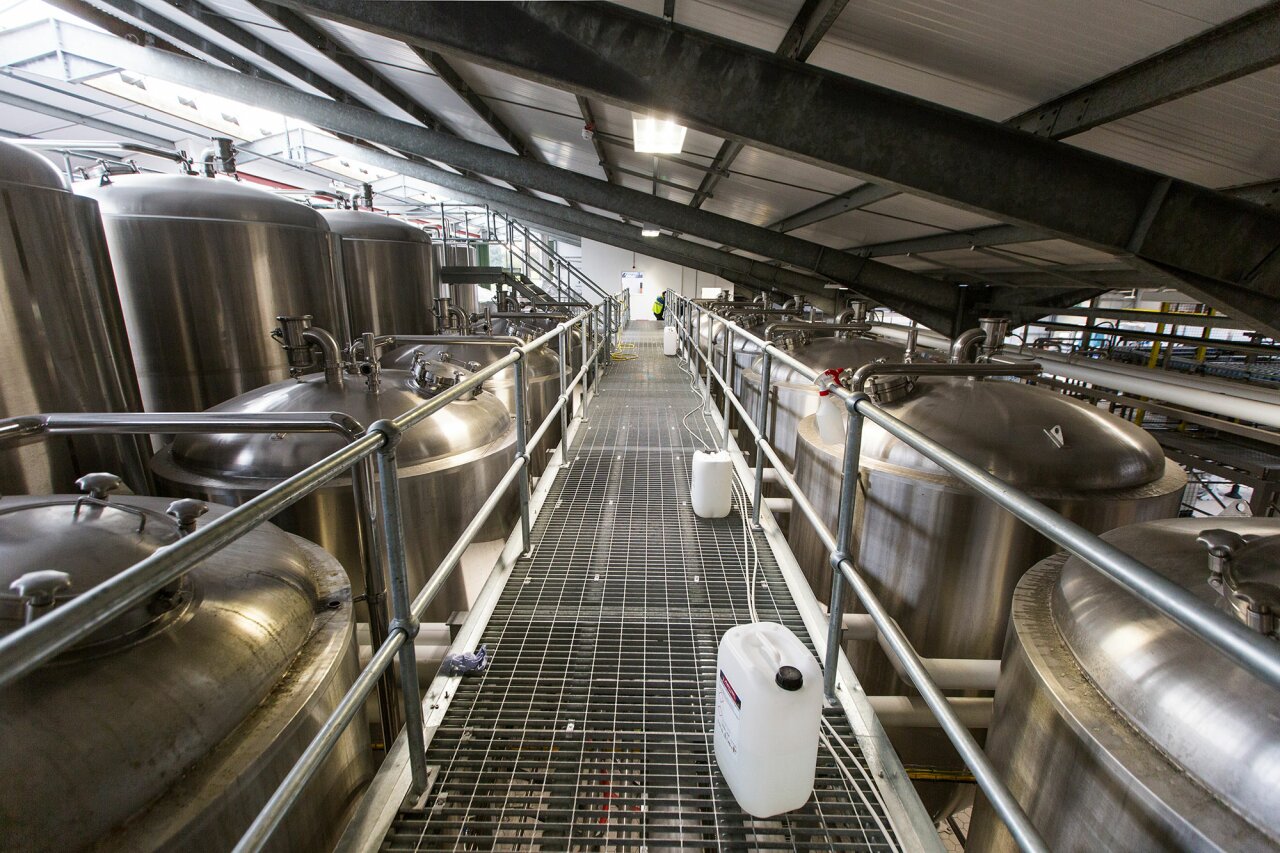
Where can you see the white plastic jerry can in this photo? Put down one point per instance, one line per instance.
(830, 414)
(711, 488)
(768, 709)
(670, 340)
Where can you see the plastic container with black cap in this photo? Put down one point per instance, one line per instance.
(768, 710)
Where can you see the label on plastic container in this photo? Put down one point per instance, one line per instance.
(728, 712)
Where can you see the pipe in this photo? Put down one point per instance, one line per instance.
(330, 352)
(949, 673)
(464, 321)
(73, 145)
(960, 346)
(911, 711)
(861, 376)
(1223, 399)
(810, 326)
(779, 505)
(924, 337)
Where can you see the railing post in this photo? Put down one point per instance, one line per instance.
(584, 329)
(522, 450)
(711, 344)
(566, 352)
(727, 388)
(762, 422)
(844, 537)
(402, 616)
(375, 597)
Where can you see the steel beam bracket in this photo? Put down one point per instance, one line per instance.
(391, 434)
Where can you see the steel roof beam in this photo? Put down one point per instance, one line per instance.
(1230, 50)
(72, 117)
(810, 25)
(930, 301)
(1265, 193)
(991, 235)
(340, 56)
(1238, 47)
(855, 199)
(1223, 250)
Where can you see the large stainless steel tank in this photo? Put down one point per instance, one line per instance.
(203, 265)
(457, 255)
(945, 560)
(388, 267)
(536, 325)
(448, 466)
(1115, 728)
(61, 329)
(793, 397)
(171, 726)
(542, 370)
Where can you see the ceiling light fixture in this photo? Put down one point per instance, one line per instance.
(657, 135)
(650, 232)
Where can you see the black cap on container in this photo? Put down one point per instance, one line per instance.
(789, 678)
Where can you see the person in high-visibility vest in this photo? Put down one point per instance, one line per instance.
(660, 307)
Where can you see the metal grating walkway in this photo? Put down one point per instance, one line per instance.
(592, 727)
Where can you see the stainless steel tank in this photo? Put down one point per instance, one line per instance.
(61, 329)
(457, 255)
(1117, 729)
(542, 371)
(171, 726)
(388, 267)
(448, 466)
(945, 560)
(536, 325)
(793, 397)
(203, 265)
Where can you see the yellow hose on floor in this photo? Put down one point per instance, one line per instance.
(622, 352)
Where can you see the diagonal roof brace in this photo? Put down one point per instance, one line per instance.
(641, 62)
(931, 302)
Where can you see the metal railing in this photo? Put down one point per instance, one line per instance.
(371, 455)
(1247, 648)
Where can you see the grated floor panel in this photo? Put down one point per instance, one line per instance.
(592, 727)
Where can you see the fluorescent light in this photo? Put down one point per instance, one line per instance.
(657, 135)
(650, 232)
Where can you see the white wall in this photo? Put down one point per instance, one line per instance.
(604, 264)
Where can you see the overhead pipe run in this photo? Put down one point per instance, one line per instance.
(1219, 401)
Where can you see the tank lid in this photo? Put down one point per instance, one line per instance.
(1208, 714)
(194, 197)
(830, 352)
(55, 548)
(365, 225)
(23, 166)
(462, 427)
(542, 362)
(1033, 438)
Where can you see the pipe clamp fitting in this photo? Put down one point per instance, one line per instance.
(838, 557)
(409, 626)
(389, 431)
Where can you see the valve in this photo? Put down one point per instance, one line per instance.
(1256, 603)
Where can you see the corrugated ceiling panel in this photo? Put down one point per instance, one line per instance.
(759, 23)
(764, 164)
(1219, 137)
(397, 62)
(250, 19)
(997, 57)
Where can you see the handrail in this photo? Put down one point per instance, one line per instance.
(35, 643)
(1252, 651)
